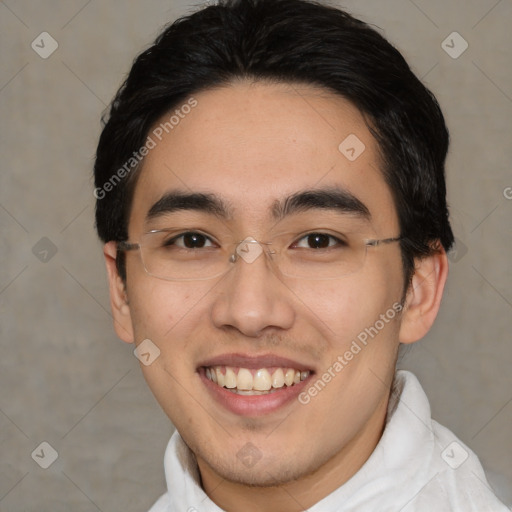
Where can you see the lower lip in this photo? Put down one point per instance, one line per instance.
(252, 405)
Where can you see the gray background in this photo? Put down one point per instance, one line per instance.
(67, 380)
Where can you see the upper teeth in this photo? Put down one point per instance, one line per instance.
(243, 379)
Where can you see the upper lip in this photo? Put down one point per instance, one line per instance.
(254, 362)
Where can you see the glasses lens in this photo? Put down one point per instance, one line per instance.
(182, 256)
(191, 255)
(322, 256)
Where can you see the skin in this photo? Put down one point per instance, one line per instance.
(252, 143)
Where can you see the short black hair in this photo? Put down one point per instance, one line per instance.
(295, 42)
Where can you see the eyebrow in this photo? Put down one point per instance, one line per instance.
(328, 198)
(176, 200)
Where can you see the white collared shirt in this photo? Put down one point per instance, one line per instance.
(417, 466)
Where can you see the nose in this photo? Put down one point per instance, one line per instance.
(252, 297)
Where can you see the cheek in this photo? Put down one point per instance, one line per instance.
(158, 306)
(167, 313)
(341, 308)
(348, 314)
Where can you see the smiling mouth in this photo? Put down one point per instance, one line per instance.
(263, 381)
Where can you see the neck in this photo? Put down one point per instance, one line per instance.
(302, 493)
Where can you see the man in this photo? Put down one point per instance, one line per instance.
(270, 190)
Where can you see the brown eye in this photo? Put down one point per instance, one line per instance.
(189, 240)
(319, 241)
(194, 240)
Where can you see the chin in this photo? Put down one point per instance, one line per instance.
(262, 474)
(249, 467)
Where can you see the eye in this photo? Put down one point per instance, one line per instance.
(189, 240)
(319, 241)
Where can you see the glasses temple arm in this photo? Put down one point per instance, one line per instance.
(127, 246)
(375, 242)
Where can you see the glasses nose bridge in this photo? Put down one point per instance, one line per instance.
(249, 250)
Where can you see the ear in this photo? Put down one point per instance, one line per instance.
(118, 297)
(424, 296)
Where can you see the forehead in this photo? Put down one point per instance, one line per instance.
(251, 144)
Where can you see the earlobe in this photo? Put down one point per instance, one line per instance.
(424, 296)
(118, 296)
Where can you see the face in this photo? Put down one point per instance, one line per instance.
(251, 146)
